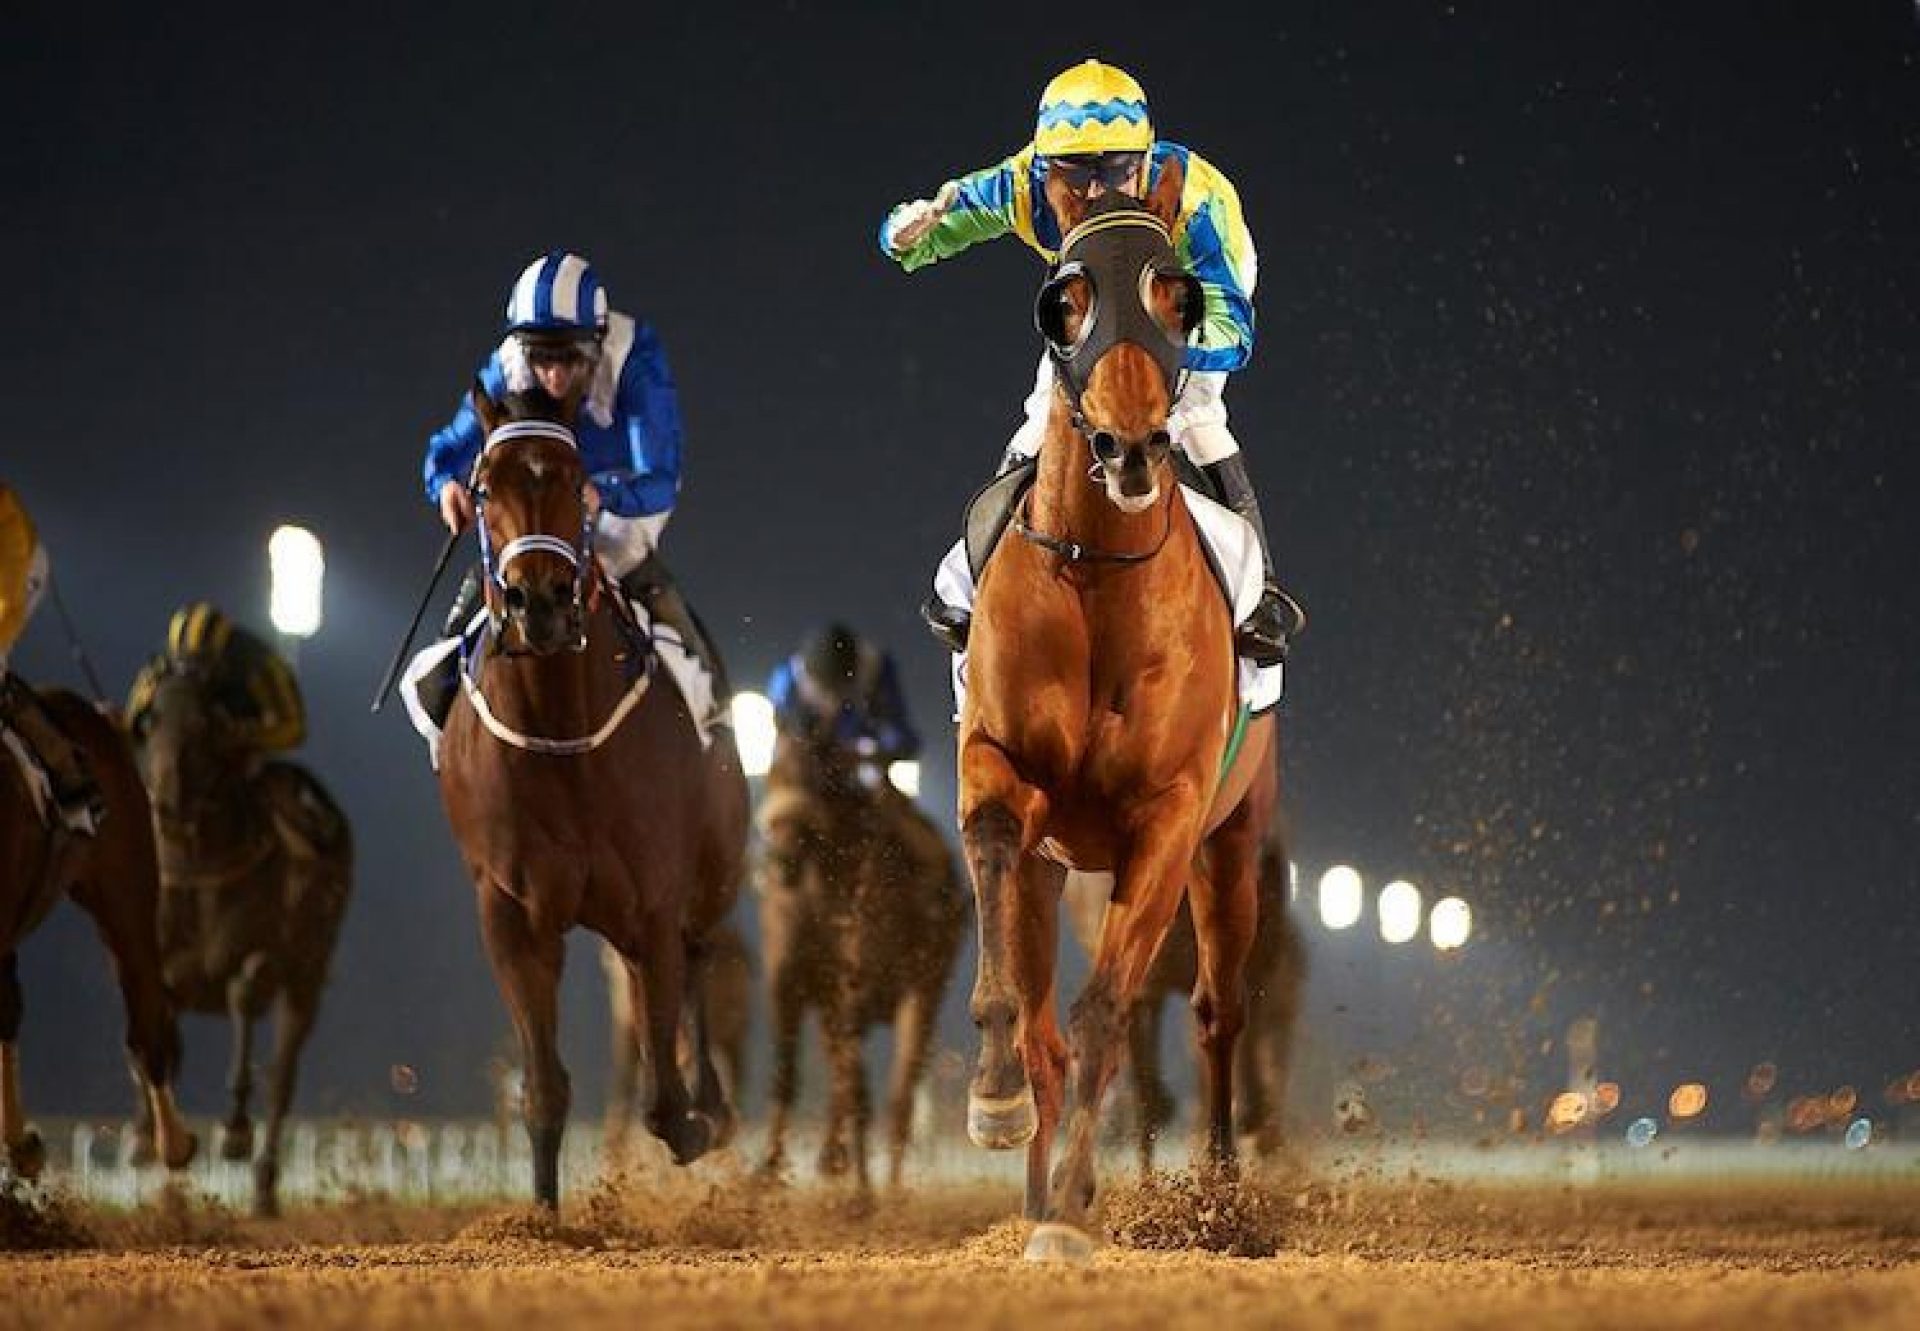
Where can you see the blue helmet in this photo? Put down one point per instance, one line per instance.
(559, 295)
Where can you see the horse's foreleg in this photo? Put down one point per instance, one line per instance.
(1152, 1102)
(292, 1023)
(999, 815)
(527, 964)
(709, 1092)
(624, 998)
(26, 1154)
(663, 974)
(845, 1145)
(1148, 889)
(1043, 1050)
(1225, 913)
(236, 1133)
(783, 991)
(126, 920)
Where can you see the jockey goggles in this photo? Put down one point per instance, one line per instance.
(1116, 170)
(542, 352)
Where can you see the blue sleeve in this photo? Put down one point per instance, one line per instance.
(648, 410)
(892, 729)
(452, 449)
(783, 694)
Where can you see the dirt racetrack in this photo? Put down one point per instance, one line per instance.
(693, 1252)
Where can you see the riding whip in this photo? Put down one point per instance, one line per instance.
(413, 626)
(74, 647)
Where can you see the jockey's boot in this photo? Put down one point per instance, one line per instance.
(76, 795)
(437, 691)
(1264, 637)
(950, 622)
(652, 584)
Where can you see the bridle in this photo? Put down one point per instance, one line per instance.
(578, 554)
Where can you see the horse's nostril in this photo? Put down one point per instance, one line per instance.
(1105, 445)
(515, 598)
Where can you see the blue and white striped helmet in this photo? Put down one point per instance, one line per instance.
(558, 293)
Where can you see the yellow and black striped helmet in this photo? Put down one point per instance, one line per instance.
(199, 630)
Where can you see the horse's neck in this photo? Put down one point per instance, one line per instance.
(1072, 505)
(228, 817)
(557, 695)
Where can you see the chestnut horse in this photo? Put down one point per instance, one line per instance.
(1099, 716)
(578, 788)
(113, 876)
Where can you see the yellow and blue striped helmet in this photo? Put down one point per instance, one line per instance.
(1092, 108)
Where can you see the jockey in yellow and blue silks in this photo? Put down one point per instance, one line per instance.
(23, 580)
(560, 331)
(847, 690)
(1093, 136)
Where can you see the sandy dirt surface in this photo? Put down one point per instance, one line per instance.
(698, 1253)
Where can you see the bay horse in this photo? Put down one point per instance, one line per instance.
(256, 868)
(1263, 1056)
(578, 789)
(113, 877)
(861, 919)
(1100, 713)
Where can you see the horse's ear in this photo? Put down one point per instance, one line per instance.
(1163, 200)
(484, 406)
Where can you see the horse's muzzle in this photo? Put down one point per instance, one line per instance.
(548, 620)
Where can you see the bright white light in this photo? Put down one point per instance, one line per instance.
(298, 572)
(1293, 881)
(905, 776)
(1450, 923)
(753, 732)
(1399, 911)
(1340, 897)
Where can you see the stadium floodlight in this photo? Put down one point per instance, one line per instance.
(1450, 923)
(1340, 891)
(298, 571)
(905, 776)
(1399, 911)
(753, 732)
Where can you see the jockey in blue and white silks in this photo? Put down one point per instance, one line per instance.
(848, 689)
(1093, 136)
(560, 331)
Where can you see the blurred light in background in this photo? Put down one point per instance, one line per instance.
(1399, 911)
(1568, 1111)
(1859, 1134)
(753, 732)
(905, 776)
(1642, 1131)
(1689, 1100)
(1450, 923)
(298, 571)
(1340, 897)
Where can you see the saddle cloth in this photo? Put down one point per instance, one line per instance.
(1231, 544)
(689, 676)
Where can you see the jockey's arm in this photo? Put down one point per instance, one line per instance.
(452, 449)
(647, 409)
(1218, 249)
(979, 206)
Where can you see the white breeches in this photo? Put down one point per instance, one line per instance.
(623, 544)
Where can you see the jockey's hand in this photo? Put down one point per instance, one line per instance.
(456, 507)
(590, 495)
(914, 220)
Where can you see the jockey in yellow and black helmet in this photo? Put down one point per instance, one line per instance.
(251, 682)
(1093, 135)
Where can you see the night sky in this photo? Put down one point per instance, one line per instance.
(1585, 411)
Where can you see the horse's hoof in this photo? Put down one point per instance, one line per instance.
(28, 1156)
(236, 1141)
(142, 1152)
(1002, 1123)
(690, 1138)
(1059, 1244)
(266, 1189)
(184, 1149)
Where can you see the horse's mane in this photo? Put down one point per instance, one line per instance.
(534, 404)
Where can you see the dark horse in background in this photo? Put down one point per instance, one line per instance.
(256, 865)
(578, 789)
(861, 917)
(112, 876)
(1263, 1056)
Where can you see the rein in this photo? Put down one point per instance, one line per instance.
(1075, 553)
